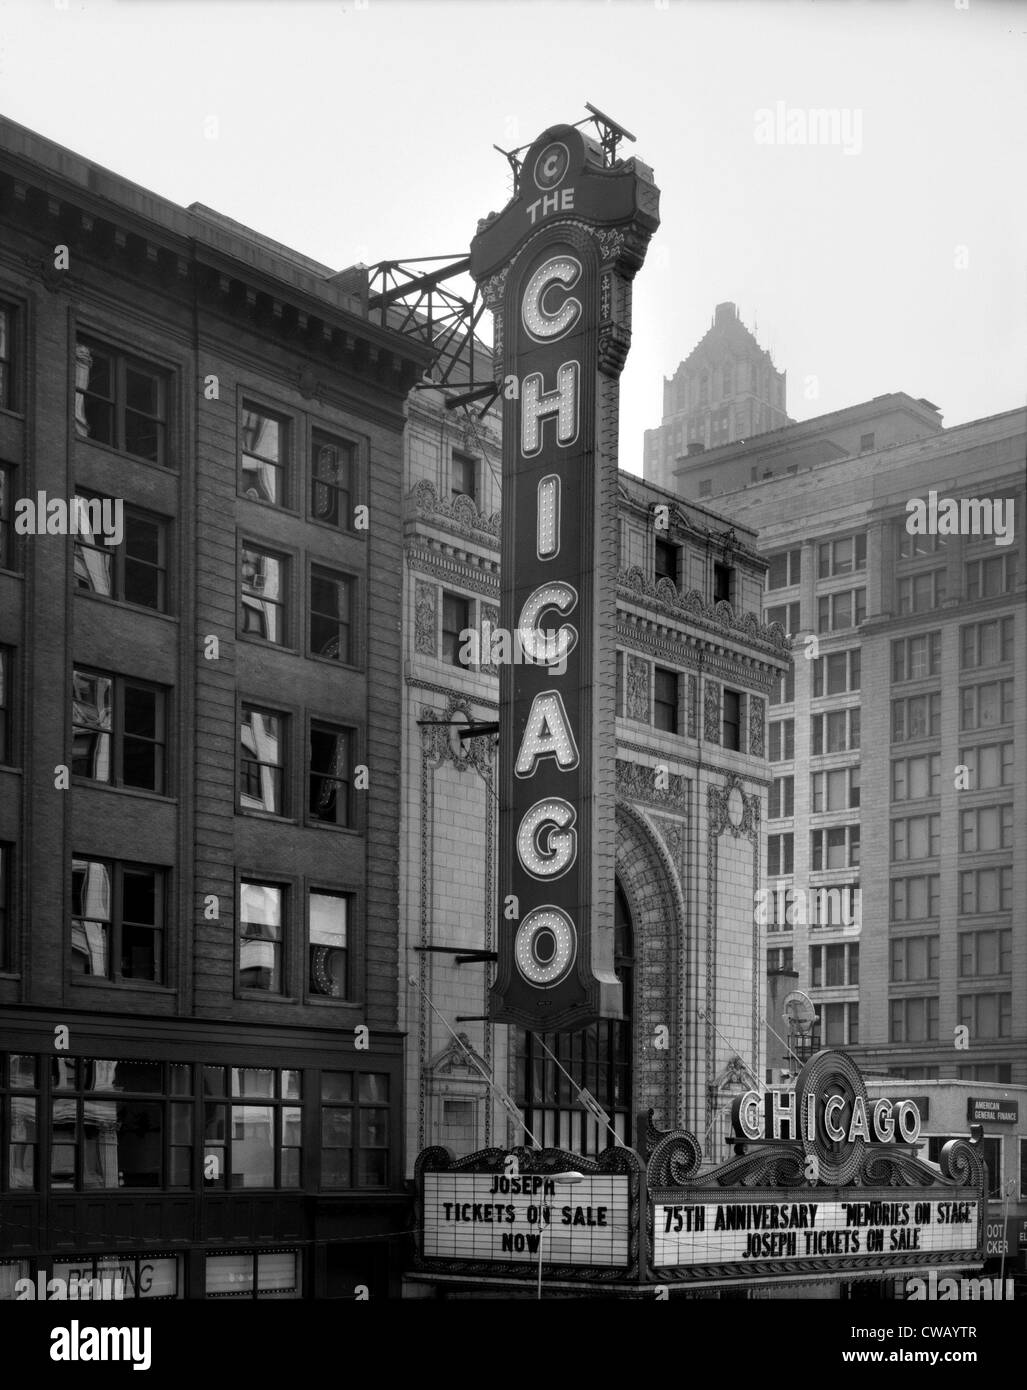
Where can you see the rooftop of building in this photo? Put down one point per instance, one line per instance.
(786, 438)
(726, 327)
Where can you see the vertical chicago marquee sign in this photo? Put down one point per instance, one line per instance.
(555, 267)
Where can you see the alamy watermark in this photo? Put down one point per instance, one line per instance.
(961, 516)
(796, 125)
(81, 516)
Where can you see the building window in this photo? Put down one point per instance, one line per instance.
(263, 591)
(333, 465)
(866, 442)
(836, 848)
(832, 908)
(987, 1015)
(989, 765)
(117, 920)
(6, 700)
(262, 760)
(6, 861)
(991, 577)
(665, 700)
(734, 705)
(913, 1020)
(836, 732)
(782, 692)
(465, 476)
(261, 1274)
(922, 593)
(837, 790)
(835, 612)
(261, 936)
(986, 644)
(839, 1024)
(786, 615)
(136, 571)
(456, 621)
(666, 561)
(915, 899)
(118, 731)
(8, 382)
(705, 487)
(331, 615)
(264, 456)
(19, 1127)
(781, 740)
(914, 778)
(782, 798)
(253, 1127)
(842, 557)
(723, 582)
(597, 1057)
(831, 966)
(120, 1124)
(986, 890)
(121, 401)
(986, 828)
(328, 943)
(330, 786)
(779, 958)
(780, 909)
(917, 717)
(986, 706)
(911, 547)
(914, 658)
(914, 958)
(355, 1127)
(7, 500)
(986, 952)
(915, 837)
(783, 569)
(837, 673)
(780, 854)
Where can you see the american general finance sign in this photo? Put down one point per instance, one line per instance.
(555, 267)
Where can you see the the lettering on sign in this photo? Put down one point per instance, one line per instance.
(730, 1232)
(489, 1216)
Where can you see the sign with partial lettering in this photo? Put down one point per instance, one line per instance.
(555, 268)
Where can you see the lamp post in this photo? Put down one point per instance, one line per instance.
(564, 1180)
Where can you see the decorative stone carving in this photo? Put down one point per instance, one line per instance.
(757, 725)
(489, 624)
(633, 581)
(711, 711)
(639, 782)
(459, 512)
(425, 636)
(692, 706)
(637, 701)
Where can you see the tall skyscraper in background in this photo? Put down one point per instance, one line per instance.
(726, 389)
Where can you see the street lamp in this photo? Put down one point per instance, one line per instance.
(565, 1180)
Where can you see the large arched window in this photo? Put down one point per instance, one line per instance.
(598, 1058)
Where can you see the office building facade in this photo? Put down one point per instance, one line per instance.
(200, 553)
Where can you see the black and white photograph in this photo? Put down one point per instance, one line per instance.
(513, 681)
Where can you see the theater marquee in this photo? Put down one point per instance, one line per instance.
(555, 267)
(830, 1190)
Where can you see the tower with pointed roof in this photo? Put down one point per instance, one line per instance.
(726, 389)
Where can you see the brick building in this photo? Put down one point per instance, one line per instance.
(694, 670)
(899, 765)
(201, 1085)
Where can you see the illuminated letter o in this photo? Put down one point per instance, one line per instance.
(545, 946)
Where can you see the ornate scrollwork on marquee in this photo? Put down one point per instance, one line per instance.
(675, 1155)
